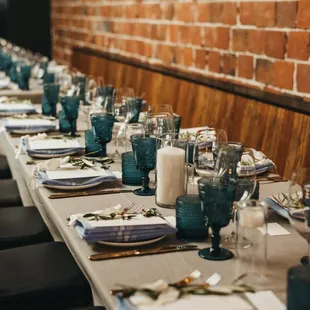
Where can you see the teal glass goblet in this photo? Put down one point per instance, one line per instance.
(81, 81)
(134, 108)
(64, 124)
(130, 174)
(23, 75)
(144, 150)
(217, 197)
(49, 78)
(70, 106)
(92, 147)
(6, 63)
(50, 99)
(13, 71)
(102, 128)
(177, 119)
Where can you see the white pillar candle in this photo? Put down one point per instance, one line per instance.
(252, 217)
(170, 171)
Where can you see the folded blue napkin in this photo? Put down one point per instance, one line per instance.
(275, 207)
(44, 179)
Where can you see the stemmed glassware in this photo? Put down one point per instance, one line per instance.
(217, 195)
(299, 206)
(144, 151)
(159, 120)
(70, 106)
(102, 124)
(204, 157)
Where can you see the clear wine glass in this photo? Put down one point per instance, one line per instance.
(159, 120)
(299, 206)
(204, 157)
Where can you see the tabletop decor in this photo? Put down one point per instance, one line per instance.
(102, 128)
(252, 222)
(117, 224)
(64, 124)
(130, 174)
(159, 119)
(50, 99)
(70, 106)
(134, 105)
(92, 147)
(190, 218)
(81, 82)
(28, 126)
(171, 176)
(132, 129)
(177, 119)
(217, 196)
(23, 73)
(49, 78)
(144, 150)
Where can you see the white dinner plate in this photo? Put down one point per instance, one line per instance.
(48, 156)
(131, 244)
(30, 131)
(73, 187)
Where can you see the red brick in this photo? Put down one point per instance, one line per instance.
(200, 59)
(188, 56)
(240, 40)
(228, 13)
(173, 33)
(164, 52)
(286, 14)
(283, 74)
(265, 13)
(256, 41)
(228, 64)
(245, 66)
(303, 18)
(161, 31)
(247, 13)
(184, 34)
(214, 61)
(299, 45)
(177, 55)
(150, 11)
(303, 78)
(195, 35)
(203, 12)
(167, 10)
(215, 10)
(184, 11)
(264, 71)
(217, 37)
(275, 44)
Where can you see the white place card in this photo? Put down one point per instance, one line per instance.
(77, 173)
(11, 107)
(274, 229)
(49, 144)
(265, 300)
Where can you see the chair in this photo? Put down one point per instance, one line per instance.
(42, 276)
(9, 194)
(5, 172)
(22, 226)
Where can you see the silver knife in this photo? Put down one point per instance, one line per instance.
(142, 252)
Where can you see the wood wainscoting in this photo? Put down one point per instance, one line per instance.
(281, 133)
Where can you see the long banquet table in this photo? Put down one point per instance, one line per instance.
(283, 251)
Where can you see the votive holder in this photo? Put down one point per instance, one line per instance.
(190, 220)
(130, 174)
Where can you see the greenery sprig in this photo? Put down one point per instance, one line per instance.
(285, 201)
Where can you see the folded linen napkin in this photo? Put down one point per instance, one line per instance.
(115, 225)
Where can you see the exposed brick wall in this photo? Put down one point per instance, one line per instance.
(261, 43)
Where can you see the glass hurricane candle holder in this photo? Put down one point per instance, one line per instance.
(70, 106)
(217, 197)
(171, 174)
(144, 150)
(102, 128)
(50, 99)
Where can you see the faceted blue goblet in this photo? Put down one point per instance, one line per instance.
(92, 147)
(217, 197)
(102, 128)
(64, 124)
(144, 150)
(130, 174)
(23, 75)
(70, 106)
(50, 99)
(49, 78)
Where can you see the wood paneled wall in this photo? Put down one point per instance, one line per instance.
(282, 134)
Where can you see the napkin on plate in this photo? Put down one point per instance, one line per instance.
(262, 161)
(12, 124)
(137, 228)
